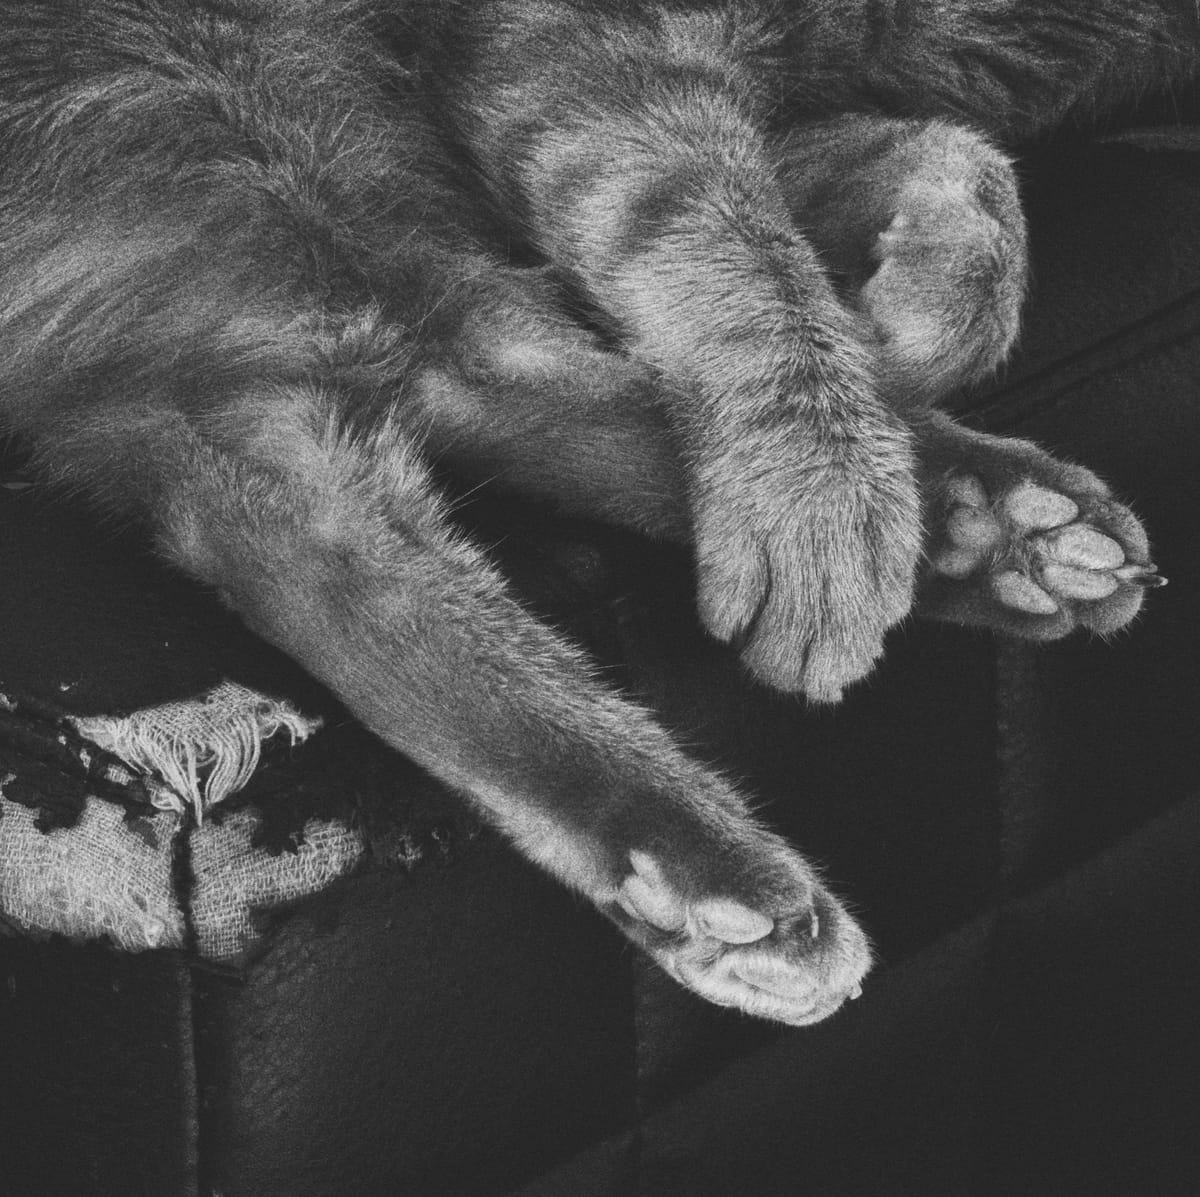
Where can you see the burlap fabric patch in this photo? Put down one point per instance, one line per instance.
(186, 825)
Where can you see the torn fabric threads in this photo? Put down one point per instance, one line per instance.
(203, 749)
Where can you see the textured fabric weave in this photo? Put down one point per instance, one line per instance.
(102, 877)
(110, 871)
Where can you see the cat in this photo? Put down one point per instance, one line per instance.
(264, 262)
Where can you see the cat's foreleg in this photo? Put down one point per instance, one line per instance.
(638, 158)
(336, 548)
(1015, 539)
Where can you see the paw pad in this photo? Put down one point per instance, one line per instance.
(1083, 548)
(1035, 508)
(646, 894)
(1015, 590)
(793, 966)
(1034, 547)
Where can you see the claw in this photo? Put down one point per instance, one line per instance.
(1140, 575)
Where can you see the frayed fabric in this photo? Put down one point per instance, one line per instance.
(109, 878)
(108, 872)
(97, 814)
(100, 878)
(238, 883)
(202, 749)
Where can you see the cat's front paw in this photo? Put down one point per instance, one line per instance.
(790, 953)
(805, 570)
(921, 223)
(1035, 547)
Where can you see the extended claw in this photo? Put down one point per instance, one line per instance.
(1141, 575)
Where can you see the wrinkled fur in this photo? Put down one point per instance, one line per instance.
(261, 261)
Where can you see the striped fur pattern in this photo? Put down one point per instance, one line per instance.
(262, 262)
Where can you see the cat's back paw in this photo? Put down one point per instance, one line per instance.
(1035, 547)
(788, 952)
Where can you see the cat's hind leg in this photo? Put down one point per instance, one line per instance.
(526, 401)
(336, 547)
(225, 352)
(921, 224)
(1025, 543)
(1016, 539)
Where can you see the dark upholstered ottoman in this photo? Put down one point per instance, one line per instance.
(339, 984)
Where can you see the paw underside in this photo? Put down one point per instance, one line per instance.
(1020, 542)
(1038, 557)
(797, 964)
(1024, 543)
